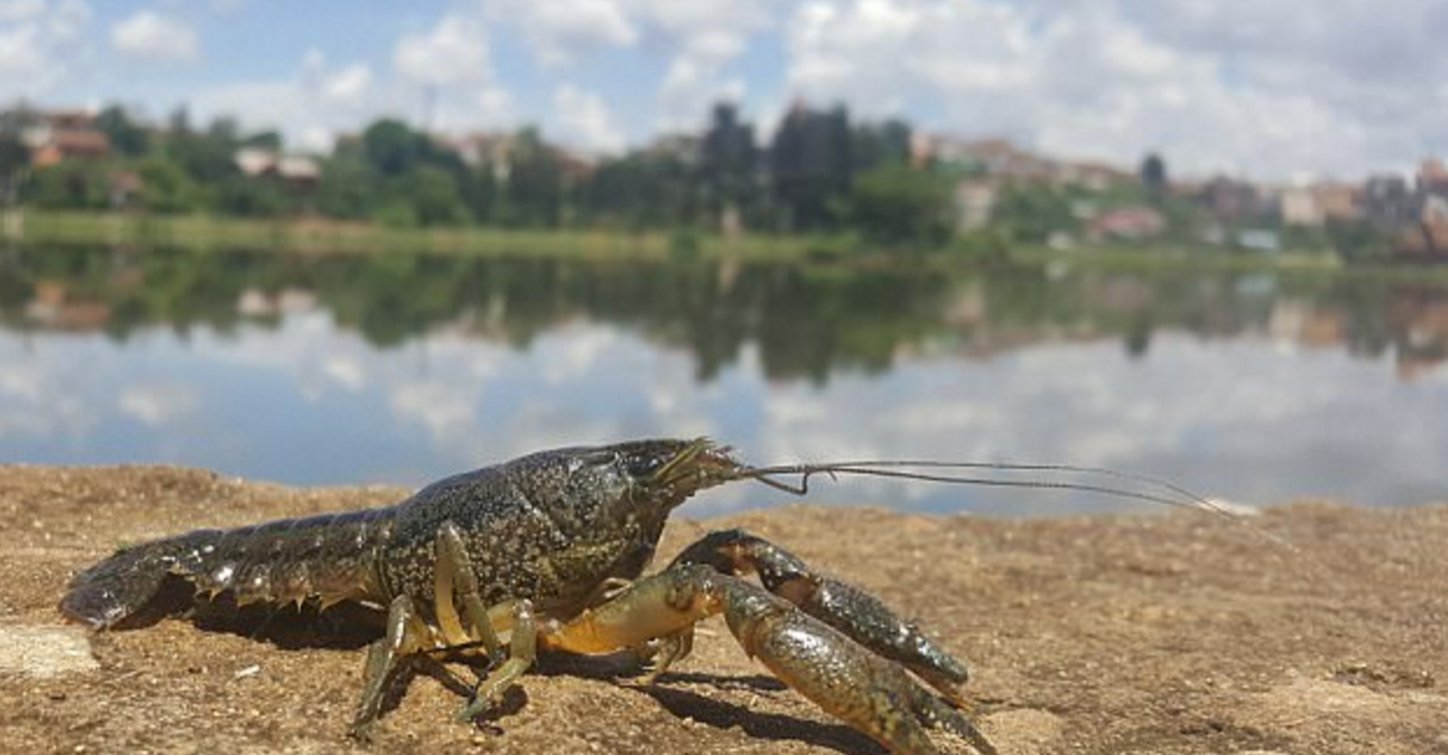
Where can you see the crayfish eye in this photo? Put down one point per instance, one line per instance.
(644, 467)
(647, 461)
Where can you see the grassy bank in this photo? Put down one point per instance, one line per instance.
(1149, 258)
(330, 237)
(323, 236)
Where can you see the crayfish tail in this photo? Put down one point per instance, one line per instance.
(324, 557)
(114, 589)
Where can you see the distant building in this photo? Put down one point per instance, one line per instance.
(974, 201)
(1127, 223)
(481, 148)
(1259, 240)
(53, 306)
(297, 170)
(125, 187)
(1231, 200)
(1091, 176)
(59, 135)
(1388, 202)
(1316, 204)
(253, 161)
(1338, 201)
(575, 167)
(1435, 209)
(997, 158)
(1433, 177)
(1417, 318)
(1299, 207)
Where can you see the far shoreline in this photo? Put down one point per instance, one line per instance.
(322, 236)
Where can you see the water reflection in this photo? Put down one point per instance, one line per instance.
(806, 321)
(402, 368)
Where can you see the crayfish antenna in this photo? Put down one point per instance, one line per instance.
(908, 469)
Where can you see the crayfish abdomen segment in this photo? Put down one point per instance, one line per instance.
(328, 558)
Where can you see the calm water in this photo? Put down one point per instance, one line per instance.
(1251, 387)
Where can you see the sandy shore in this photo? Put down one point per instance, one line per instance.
(1172, 633)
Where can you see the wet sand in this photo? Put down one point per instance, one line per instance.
(1152, 633)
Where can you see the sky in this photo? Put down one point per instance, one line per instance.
(1265, 89)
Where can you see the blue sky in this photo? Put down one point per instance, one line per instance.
(1270, 88)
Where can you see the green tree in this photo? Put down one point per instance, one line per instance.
(435, 198)
(534, 190)
(179, 122)
(896, 204)
(165, 187)
(349, 187)
(728, 161)
(391, 147)
(1153, 175)
(876, 144)
(640, 190)
(207, 158)
(1030, 214)
(250, 197)
(1356, 239)
(14, 160)
(271, 140)
(127, 137)
(69, 186)
(810, 166)
(479, 191)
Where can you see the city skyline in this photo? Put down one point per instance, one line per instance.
(1267, 91)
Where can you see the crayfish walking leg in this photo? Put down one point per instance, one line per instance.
(408, 634)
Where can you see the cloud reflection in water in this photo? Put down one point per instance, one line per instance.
(309, 402)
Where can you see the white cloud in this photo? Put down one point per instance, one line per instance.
(38, 44)
(689, 88)
(310, 107)
(453, 52)
(323, 99)
(584, 119)
(450, 70)
(23, 55)
(445, 409)
(348, 85)
(695, 78)
(21, 10)
(560, 30)
(158, 404)
(1264, 88)
(699, 40)
(347, 371)
(151, 36)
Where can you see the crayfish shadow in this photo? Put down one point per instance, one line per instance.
(513, 700)
(624, 667)
(345, 626)
(724, 715)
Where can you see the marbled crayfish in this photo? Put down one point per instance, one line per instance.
(546, 553)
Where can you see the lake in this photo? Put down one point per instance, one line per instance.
(1257, 387)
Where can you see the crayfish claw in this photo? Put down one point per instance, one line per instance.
(860, 615)
(872, 694)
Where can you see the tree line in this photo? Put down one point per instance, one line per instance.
(822, 171)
